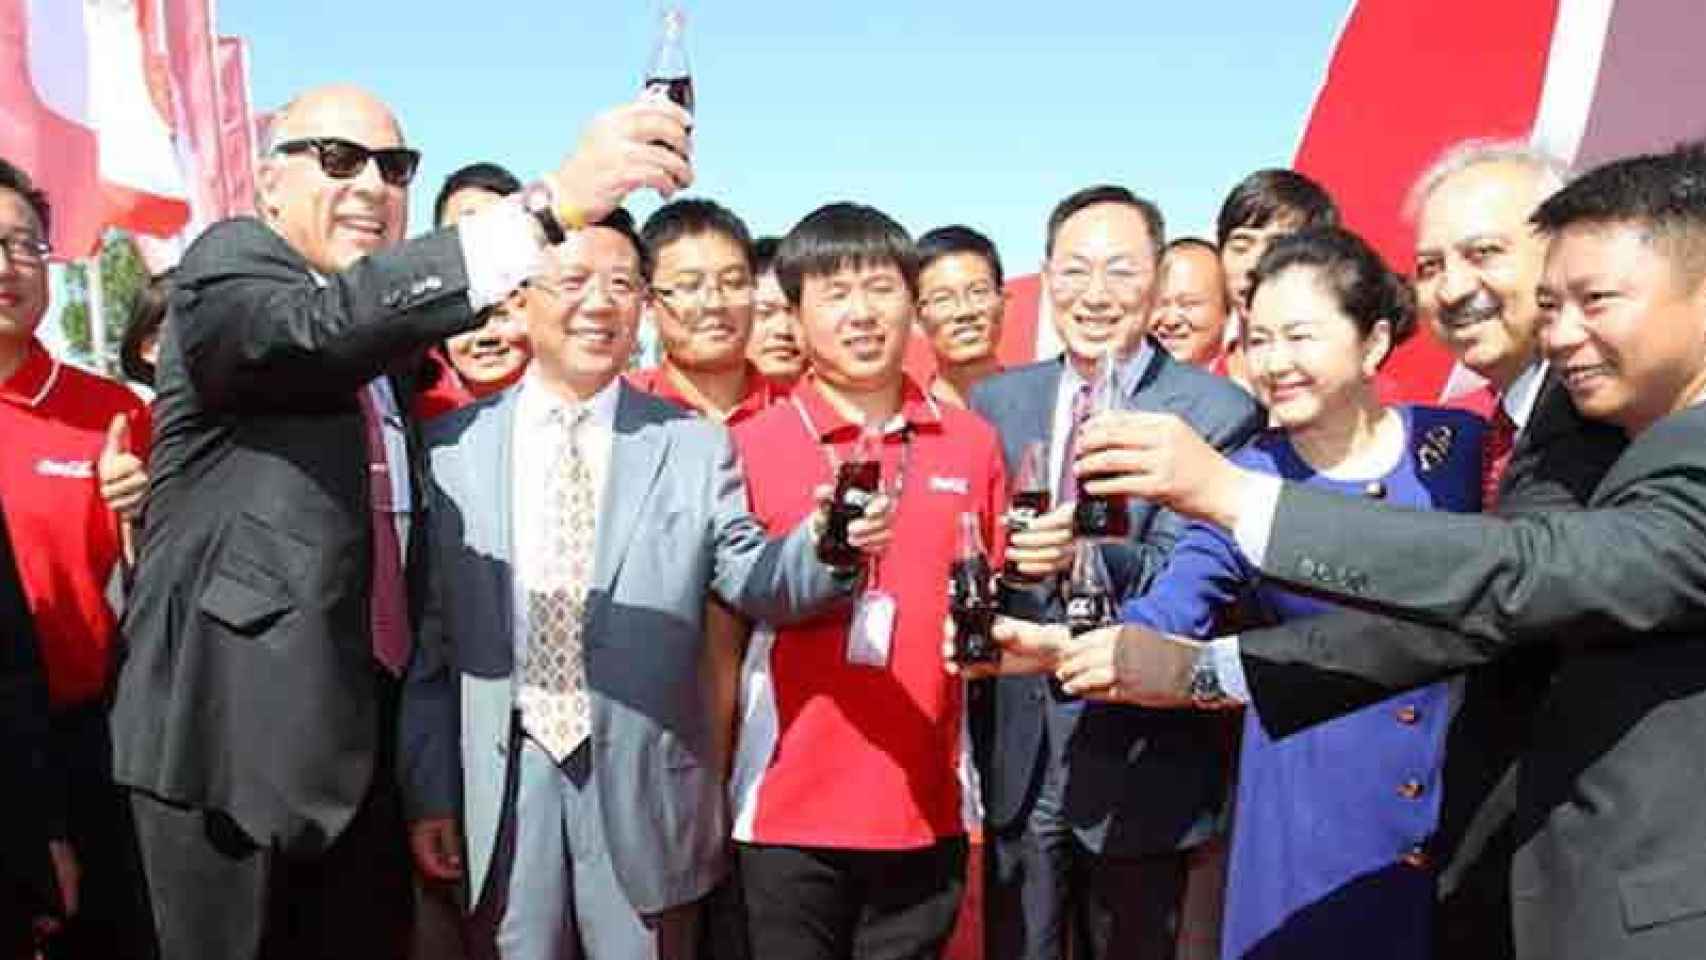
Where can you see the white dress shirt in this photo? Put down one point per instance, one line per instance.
(1256, 520)
(534, 451)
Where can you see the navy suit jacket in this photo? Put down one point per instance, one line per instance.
(1138, 781)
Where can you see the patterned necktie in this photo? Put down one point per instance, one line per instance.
(554, 705)
(1496, 446)
(388, 608)
(1066, 484)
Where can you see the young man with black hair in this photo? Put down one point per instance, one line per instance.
(60, 423)
(961, 303)
(775, 345)
(849, 816)
(700, 300)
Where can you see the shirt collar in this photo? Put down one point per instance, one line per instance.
(536, 404)
(1518, 398)
(760, 392)
(28, 384)
(917, 409)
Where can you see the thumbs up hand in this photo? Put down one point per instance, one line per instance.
(122, 474)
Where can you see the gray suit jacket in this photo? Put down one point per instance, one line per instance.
(1612, 862)
(674, 527)
(1140, 781)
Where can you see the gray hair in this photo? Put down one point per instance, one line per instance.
(1550, 173)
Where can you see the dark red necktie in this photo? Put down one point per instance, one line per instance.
(1496, 447)
(388, 608)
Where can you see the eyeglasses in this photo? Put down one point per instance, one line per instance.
(1072, 280)
(26, 249)
(734, 292)
(344, 159)
(944, 302)
(621, 288)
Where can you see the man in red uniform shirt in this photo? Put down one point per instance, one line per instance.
(847, 789)
(57, 421)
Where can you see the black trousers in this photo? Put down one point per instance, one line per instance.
(216, 893)
(112, 921)
(813, 903)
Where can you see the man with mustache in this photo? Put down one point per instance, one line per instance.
(268, 625)
(1090, 811)
(961, 303)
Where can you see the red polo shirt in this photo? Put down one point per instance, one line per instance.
(761, 392)
(54, 418)
(833, 754)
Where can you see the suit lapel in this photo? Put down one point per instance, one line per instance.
(1553, 414)
(491, 476)
(1037, 413)
(636, 454)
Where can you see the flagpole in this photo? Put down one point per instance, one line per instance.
(97, 313)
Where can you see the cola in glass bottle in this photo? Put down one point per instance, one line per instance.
(1029, 500)
(856, 482)
(971, 597)
(667, 75)
(1089, 603)
(1102, 517)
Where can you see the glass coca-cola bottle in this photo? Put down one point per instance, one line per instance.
(667, 74)
(1089, 601)
(1102, 517)
(856, 482)
(1029, 500)
(971, 597)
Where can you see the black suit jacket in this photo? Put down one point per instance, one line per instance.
(1138, 781)
(27, 886)
(249, 686)
(1612, 857)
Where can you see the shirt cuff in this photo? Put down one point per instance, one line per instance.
(1256, 517)
(1229, 668)
(500, 250)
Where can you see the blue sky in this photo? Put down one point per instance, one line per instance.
(935, 110)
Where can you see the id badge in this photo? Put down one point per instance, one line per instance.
(872, 633)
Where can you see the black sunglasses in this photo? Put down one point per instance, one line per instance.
(342, 159)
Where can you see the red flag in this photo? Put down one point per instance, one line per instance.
(194, 67)
(236, 126)
(78, 113)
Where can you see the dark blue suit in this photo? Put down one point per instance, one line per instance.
(1327, 819)
(1116, 783)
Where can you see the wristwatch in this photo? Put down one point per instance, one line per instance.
(538, 201)
(1205, 689)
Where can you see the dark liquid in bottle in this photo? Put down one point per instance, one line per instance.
(1027, 505)
(973, 608)
(1101, 517)
(679, 89)
(855, 484)
(1088, 610)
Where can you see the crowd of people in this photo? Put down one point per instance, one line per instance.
(410, 619)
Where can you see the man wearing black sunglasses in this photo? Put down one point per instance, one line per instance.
(255, 713)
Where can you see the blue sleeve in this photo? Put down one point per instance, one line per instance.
(1206, 573)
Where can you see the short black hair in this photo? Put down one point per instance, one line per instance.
(1663, 193)
(621, 221)
(1365, 288)
(147, 313)
(1106, 193)
(475, 176)
(764, 255)
(695, 217)
(957, 238)
(1275, 194)
(839, 235)
(16, 180)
